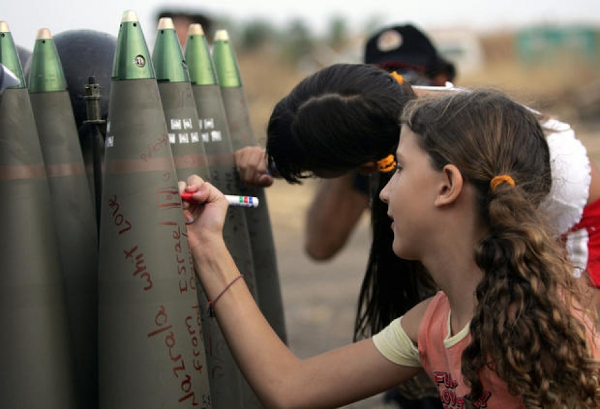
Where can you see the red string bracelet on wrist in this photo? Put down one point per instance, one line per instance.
(211, 304)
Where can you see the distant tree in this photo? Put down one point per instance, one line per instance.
(337, 33)
(297, 41)
(256, 33)
(372, 24)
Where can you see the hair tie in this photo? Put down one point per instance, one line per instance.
(386, 164)
(498, 180)
(397, 77)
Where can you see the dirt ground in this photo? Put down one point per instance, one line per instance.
(320, 298)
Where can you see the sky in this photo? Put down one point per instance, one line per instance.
(26, 17)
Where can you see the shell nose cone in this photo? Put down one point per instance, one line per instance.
(7, 79)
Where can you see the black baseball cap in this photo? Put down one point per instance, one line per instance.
(405, 46)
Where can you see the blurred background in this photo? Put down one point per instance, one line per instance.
(545, 54)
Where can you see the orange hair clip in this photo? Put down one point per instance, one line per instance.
(397, 77)
(498, 180)
(386, 164)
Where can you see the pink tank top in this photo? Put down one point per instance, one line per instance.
(441, 354)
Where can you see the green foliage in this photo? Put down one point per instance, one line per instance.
(256, 34)
(337, 33)
(296, 41)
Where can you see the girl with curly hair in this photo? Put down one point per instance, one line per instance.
(509, 327)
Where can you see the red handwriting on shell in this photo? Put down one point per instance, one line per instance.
(118, 219)
(140, 266)
(161, 321)
(134, 255)
(159, 145)
(186, 274)
(195, 332)
(167, 198)
(216, 348)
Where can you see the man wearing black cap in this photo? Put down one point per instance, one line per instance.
(406, 50)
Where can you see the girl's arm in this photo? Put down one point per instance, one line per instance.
(278, 377)
(333, 215)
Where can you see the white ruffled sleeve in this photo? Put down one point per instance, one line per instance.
(570, 176)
